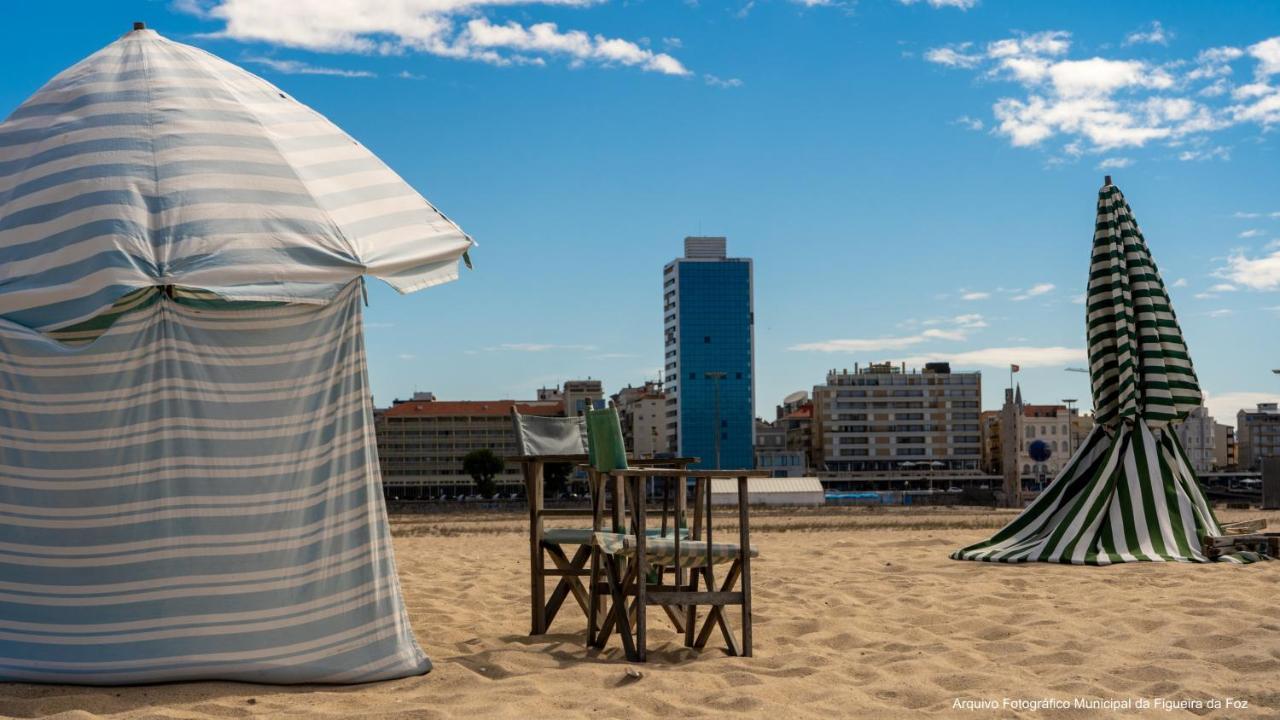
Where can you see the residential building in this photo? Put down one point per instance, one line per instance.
(1196, 433)
(773, 453)
(1258, 435)
(422, 442)
(882, 418)
(1224, 447)
(992, 454)
(1061, 429)
(582, 395)
(1081, 426)
(709, 365)
(642, 411)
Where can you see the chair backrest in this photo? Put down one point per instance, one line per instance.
(539, 435)
(605, 447)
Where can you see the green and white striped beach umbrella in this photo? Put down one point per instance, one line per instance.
(1129, 493)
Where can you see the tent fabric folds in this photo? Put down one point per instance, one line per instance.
(153, 163)
(189, 484)
(1129, 493)
(1138, 361)
(195, 495)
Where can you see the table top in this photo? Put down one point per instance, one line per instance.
(681, 472)
(581, 459)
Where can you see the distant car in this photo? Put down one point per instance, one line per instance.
(954, 489)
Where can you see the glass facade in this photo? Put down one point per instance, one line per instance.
(715, 336)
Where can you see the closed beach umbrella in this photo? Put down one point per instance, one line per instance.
(1129, 493)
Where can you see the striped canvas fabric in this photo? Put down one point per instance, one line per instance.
(153, 163)
(1129, 493)
(1138, 361)
(194, 495)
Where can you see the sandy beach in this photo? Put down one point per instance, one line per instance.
(859, 613)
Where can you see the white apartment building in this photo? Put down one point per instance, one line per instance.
(642, 412)
(882, 418)
(1199, 438)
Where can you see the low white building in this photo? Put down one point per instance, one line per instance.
(770, 491)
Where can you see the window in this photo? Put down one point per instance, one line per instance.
(706, 339)
(1031, 432)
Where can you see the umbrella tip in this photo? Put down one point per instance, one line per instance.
(139, 26)
(1106, 180)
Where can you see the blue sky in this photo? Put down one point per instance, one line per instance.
(915, 181)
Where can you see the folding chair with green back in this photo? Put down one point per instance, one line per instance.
(632, 562)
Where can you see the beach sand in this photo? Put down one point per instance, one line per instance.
(858, 613)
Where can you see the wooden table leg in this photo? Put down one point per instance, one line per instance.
(744, 545)
(537, 570)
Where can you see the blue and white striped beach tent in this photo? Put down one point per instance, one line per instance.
(189, 484)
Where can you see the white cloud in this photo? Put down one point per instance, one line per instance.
(1180, 283)
(1224, 406)
(1003, 357)
(1223, 287)
(960, 4)
(1153, 33)
(1080, 299)
(1248, 215)
(1221, 312)
(1115, 162)
(715, 81)
(539, 347)
(970, 122)
(1267, 53)
(1260, 273)
(1217, 152)
(1035, 291)
(447, 28)
(958, 328)
(1252, 232)
(1101, 103)
(1214, 63)
(297, 67)
(953, 56)
(974, 295)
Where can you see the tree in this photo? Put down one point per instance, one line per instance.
(557, 477)
(483, 466)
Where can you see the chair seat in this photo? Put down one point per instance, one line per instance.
(662, 550)
(582, 536)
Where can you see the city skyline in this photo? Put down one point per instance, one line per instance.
(881, 163)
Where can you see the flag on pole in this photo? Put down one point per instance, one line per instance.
(1014, 368)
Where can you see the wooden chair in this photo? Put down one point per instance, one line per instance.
(540, 442)
(629, 566)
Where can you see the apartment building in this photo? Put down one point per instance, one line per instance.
(421, 442)
(1258, 435)
(882, 418)
(642, 412)
(1199, 439)
(1224, 447)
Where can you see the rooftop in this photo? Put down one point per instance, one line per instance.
(440, 408)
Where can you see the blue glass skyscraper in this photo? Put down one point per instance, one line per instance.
(708, 319)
